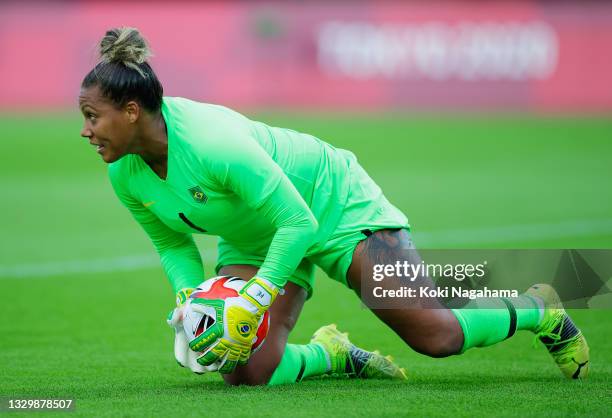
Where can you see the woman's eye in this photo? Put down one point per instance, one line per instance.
(91, 116)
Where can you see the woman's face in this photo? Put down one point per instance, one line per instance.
(109, 129)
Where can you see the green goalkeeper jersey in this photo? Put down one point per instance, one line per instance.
(256, 186)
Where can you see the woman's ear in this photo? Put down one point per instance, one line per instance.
(132, 110)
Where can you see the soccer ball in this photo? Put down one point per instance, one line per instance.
(220, 287)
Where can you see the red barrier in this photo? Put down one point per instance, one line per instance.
(459, 54)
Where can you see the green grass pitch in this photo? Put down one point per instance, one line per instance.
(84, 302)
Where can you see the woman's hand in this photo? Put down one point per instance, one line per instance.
(225, 342)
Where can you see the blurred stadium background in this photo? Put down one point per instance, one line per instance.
(487, 122)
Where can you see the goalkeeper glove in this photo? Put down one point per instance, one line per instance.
(227, 343)
(183, 355)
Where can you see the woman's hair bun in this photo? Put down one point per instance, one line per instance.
(126, 46)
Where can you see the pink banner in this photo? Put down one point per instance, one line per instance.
(349, 55)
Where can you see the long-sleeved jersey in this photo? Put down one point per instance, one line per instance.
(254, 185)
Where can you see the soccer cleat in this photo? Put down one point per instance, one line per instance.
(562, 338)
(348, 359)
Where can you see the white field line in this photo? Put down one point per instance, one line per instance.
(514, 233)
(437, 239)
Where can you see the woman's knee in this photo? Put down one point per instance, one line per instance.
(284, 314)
(257, 377)
(260, 368)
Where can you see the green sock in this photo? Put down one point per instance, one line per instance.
(300, 362)
(488, 321)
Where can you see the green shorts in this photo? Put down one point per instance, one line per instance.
(367, 210)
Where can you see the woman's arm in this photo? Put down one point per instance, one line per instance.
(179, 255)
(240, 164)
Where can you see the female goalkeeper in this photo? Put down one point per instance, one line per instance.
(280, 202)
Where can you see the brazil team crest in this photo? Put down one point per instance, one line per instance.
(198, 195)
